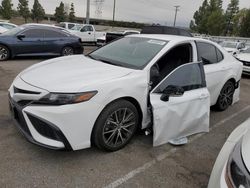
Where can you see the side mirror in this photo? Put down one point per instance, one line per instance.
(172, 91)
(21, 36)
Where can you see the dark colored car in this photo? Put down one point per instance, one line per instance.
(29, 40)
(110, 36)
(165, 30)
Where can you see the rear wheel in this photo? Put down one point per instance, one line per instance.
(4, 53)
(226, 96)
(66, 51)
(115, 126)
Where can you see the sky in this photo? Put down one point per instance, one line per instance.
(146, 11)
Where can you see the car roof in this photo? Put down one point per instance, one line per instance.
(169, 37)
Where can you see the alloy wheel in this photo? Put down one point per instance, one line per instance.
(67, 51)
(226, 95)
(119, 127)
(4, 53)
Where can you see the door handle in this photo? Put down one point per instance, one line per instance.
(89, 33)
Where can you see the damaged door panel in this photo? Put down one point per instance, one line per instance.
(181, 104)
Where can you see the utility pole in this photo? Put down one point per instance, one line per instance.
(114, 10)
(176, 10)
(87, 12)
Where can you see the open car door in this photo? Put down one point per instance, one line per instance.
(181, 104)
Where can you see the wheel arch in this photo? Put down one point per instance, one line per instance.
(7, 46)
(127, 98)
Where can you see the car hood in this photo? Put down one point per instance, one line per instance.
(71, 74)
(245, 149)
(243, 57)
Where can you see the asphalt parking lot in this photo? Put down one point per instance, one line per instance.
(23, 164)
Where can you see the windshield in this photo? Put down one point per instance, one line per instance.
(246, 51)
(130, 52)
(13, 31)
(229, 44)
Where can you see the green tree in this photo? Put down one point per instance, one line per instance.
(23, 9)
(200, 18)
(216, 23)
(72, 17)
(37, 13)
(6, 9)
(60, 14)
(231, 12)
(245, 25)
(237, 20)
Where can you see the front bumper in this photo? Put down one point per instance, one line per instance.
(65, 127)
(50, 132)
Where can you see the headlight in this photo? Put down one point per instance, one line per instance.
(237, 175)
(66, 98)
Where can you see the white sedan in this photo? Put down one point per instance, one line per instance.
(139, 81)
(244, 57)
(232, 166)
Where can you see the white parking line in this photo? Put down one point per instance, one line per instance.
(163, 156)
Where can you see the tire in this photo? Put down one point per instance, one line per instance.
(67, 50)
(4, 53)
(225, 98)
(115, 126)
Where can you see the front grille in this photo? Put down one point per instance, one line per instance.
(44, 128)
(17, 90)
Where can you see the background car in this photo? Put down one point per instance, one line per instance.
(110, 36)
(5, 26)
(156, 29)
(233, 47)
(29, 40)
(232, 166)
(244, 57)
(104, 97)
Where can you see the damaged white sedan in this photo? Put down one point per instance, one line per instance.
(135, 82)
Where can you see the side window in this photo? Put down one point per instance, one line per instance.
(189, 77)
(34, 33)
(84, 29)
(90, 28)
(53, 34)
(175, 57)
(207, 53)
(70, 26)
(220, 56)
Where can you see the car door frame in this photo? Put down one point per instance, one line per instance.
(213, 69)
(190, 124)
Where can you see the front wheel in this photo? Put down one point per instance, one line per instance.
(226, 96)
(4, 53)
(66, 51)
(115, 126)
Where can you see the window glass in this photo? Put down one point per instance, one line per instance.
(90, 28)
(219, 55)
(34, 33)
(70, 26)
(188, 77)
(53, 34)
(131, 52)
(206, 53)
